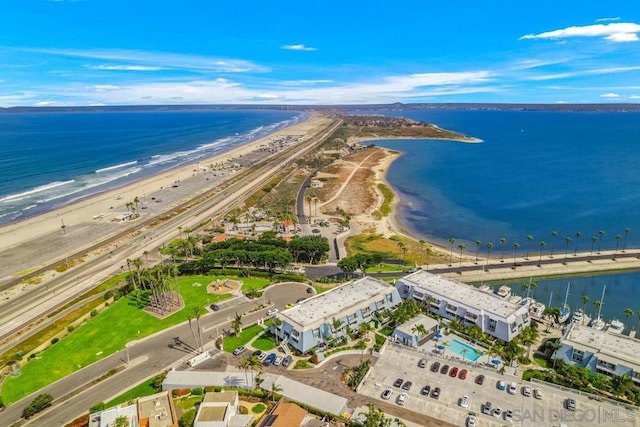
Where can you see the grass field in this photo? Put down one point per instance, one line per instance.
(264, 342)
(141, 390)
(247, 334)
(102, 336)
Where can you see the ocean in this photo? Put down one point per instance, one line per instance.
(50, 159)
(535, 173)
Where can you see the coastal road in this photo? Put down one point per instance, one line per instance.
(148, 356)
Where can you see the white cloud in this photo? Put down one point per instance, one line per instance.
(610, 95)
(104, 88)
(595, 71)
(616, 32)
(634, 96)
(124, 67)
(617, 18)
(297, 47)
(304, 82)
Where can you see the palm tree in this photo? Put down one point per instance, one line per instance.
(236, 324)
(627, 313)
(515, 253)
(121, 421)
(419, 330)
(618, 237)
(309, 200)
(594, 239)
(463, 353)
(601, 234)
(136, 201)
(554, 234)
(422, 242)
(365, 328)
(638, 313)
(197, 312)
(451, 241)
(190, 318)
(566, 249)
(626, 233)
(553, 345)
(489, 247)
(275, 389)
(529, 239)
(597, 305)
(528, 337)
(245, 366)
(255, 365)
(502, 242)
(478, 243)
(403, 248)
(585, 300)
(542, 245)
(276, 322)
(578, 236)
(461, 246)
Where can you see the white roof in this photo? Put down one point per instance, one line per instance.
(407, 327)
(334, 302)
(462, 294)
(606, 346)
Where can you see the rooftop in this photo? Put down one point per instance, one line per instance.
(212, 413)
(607, 346)
(221, 396)
(407, 327)
(462, 294)
(158, 409)
(333, 302)
(284, 415)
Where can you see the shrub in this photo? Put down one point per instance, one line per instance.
(32, 356)
(98, 407)
(243, 410)
(70, 328)
(55, 340)
(197, 391)
(94, 312)
(258, 408)
(157, 381)
(187, 419)
(38, 404)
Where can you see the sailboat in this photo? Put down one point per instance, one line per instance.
(598, 323)
(565, 312)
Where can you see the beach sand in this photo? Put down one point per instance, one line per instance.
(89, 220)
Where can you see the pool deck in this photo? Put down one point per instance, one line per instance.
(432, 346)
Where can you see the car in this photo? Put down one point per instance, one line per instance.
(463, 374)
(537, 393)
(309, 290)
(526, 390)
(570, 404)
(289, 305)
(398, 382)
(444, 369)
(407, 385)
(272, 312)
(508, 415)
(278, 360)
(435, 393)
(497, 412)
(425, 390)
(269, 359)
(435, 366)
(299, 300)
(263, 355)
(464, 402)
(239, 350)
(512, 388)
(214, 307)
(486, 408)
(422, 363)
(402, 399)
(480, 379)
(287, 361)
(472, 420)
(386, 395)
(501, 385)
(256, 353)
(412, 270)
(315, 231)
(454, 372)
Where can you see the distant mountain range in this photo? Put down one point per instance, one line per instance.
(617, 107)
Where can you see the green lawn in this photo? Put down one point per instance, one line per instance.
(264, 342)
(257, 283)
(189, 402)
(102, 336)
(387, 268)
(141, 390)
(247, 334)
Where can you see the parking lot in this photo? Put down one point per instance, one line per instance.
(399, 363)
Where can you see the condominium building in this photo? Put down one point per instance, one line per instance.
(451, 299)
(600, 351)
(331, 314)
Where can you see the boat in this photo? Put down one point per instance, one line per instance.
(565, 312)
(537, 309)
(504, 291)
(578, 317)
(597, 323)
(616, 327)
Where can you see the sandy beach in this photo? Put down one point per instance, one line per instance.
(104, 207)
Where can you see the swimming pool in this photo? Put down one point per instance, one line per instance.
(465, 350)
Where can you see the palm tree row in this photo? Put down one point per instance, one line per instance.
(158, 281)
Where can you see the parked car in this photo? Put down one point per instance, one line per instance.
(239, 350)
(508, 415)
(570, 404)
(512, 388)
(464, 402)
(309, 290)
(287, 361)
(480, 379)
(269, 359)
(486, 408)
(402, 399)
(407, 385)
(272, 312)
(435, 393)
(299, 300)
(386, 395)
(425, 390)
(501, 385)
(263, 356)
(537, 393)
(398, 382)
(444, 369)
(422, 363)
(435, 366)
(463, 374)
(256, 353)
(472, 420)
(497, 412)
(526, 390)
(215, 307)
(454, 372)
(278, 360)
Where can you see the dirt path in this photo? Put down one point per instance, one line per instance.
(344, 185)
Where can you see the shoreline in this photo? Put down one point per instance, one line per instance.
(114, 200)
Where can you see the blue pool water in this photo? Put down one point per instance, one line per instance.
(471, 353)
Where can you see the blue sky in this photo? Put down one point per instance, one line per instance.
(123, 52)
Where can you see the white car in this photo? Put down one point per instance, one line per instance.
(263, 356)
(402, 399)
(464, 402)
(526, 390)
(278, 360)
(472, 420)
(497, 412)
(272, 312)
(512, 388)
(537, 393)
